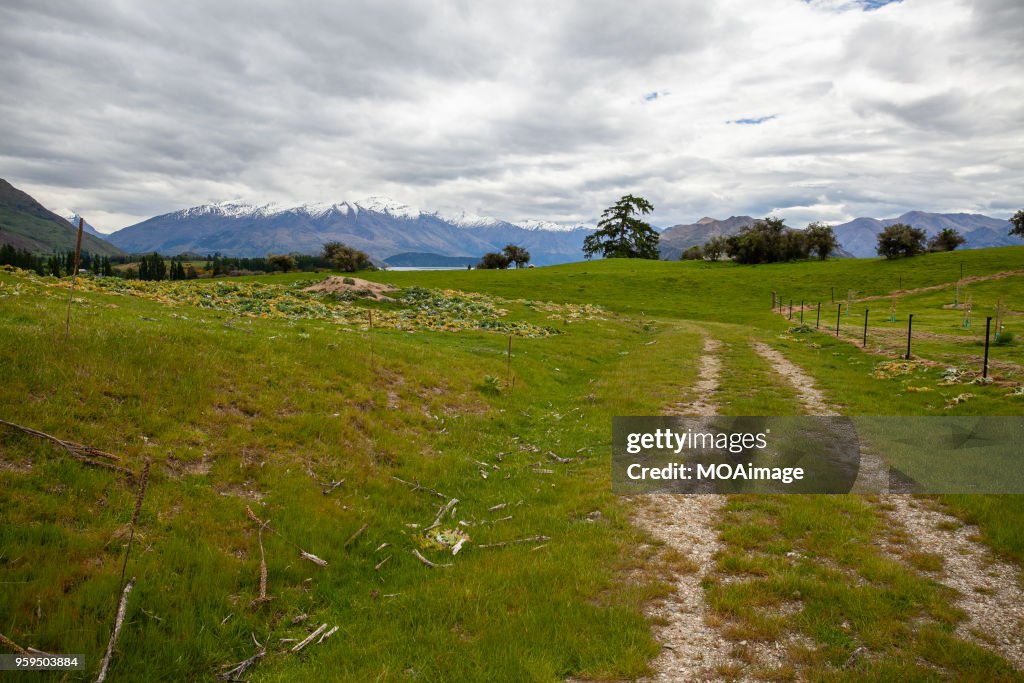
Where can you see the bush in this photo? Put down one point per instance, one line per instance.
(494, 261)
(1004, 339)
(345, 258)
(899, 240)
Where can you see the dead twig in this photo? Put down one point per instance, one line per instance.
(86, 454)
(558, 458)
(263, 574)
(266, 525)
(327, 635)
(357, 534)
(381, 563)
(309, 639)
(432, 565)
(143, 483)
(234, 671)
(329, 487)
(528, 539)
(11, 645)
(445, 509)
(416, 486)
(122, 607)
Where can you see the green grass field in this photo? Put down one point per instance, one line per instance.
(248, 393)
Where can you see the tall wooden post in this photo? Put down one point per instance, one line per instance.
(988, 326)
(865, 328)
(74, 277)
(910, 329)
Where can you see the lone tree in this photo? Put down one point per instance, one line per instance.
(620, 235)
(283, 262)
(1017, 221)
(494, 260)
(694, 253)
(516, 255)
(947, 240)
(714, 248)
(345, 258)
(821, 240)
(899, 239)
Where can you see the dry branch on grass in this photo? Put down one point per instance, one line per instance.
(86, 454)
(263, 597)
(266, 525)
(143, 483)
(330, 486)
(432, 565)
(309, 639)
(528, 539)
(122, 607)
(445, 509)
(235, 671)
(359, 532)
(416, 486)
(11, 645)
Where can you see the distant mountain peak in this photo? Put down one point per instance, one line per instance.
(706, 220)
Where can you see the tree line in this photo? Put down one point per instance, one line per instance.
(622, 234)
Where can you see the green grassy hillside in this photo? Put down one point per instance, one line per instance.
(251, 394)
(25, 224)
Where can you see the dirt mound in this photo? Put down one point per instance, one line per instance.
(357, 286)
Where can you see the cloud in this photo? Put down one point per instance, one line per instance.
(518, 110)
(755, 121)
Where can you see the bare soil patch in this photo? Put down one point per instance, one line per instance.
(343, 285)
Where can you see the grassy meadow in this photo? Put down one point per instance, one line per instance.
(495, 388)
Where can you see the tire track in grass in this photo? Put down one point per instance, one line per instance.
(692, 649)
(990, 591)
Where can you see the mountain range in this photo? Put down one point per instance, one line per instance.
(381, 227)
(27, 224)
(398, 234)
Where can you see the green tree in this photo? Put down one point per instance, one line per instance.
(1017, 221)
(946, 240)
(694, 253)
(345, 258)
(620, 235)
(768, 240)
(899, 240)
(821, 240)
(283, 262)
(714, 248)
(516, 255)
(494, 260)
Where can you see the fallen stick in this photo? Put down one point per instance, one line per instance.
(357, 534)
(416, 486)
(235, 670)
(266, 525)
(445, 509)
(327, 635)
(558, 458)
(499, 506)
(143, 482)
(10, 644)
(118, 622)
(528, 539)
(81, 452)
(432, 565)
(263, 575)
(309, 639)
(381, 563)
(329, 488)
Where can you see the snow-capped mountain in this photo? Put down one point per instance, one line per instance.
(380, 226)
(72, 218)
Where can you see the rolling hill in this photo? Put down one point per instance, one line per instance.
(27, 224)
(859, 236)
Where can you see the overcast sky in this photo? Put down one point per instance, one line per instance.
(820, 110)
